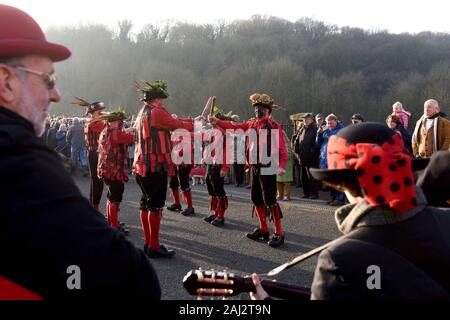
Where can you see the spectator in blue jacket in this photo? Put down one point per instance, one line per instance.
(75, 136)
(323, 134)
(61, 142)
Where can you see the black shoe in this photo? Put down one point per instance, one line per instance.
(123, 230)
(305, 196)
(257, 234)
(174, 207)
(337, 203)
(314, 197)
(122, 224)
(161, 252)
(218, 222)
(276, 241)
(209, 218)
(188, 212)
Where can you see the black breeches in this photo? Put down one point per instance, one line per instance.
(181, 178)
(96, 187)
(115, 190)
(154, 189)
(264, 188)
(214, 182)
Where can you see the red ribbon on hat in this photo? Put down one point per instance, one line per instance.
(384, 172)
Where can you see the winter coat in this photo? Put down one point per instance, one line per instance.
(49, 230)
(322, 141)
(385, 255)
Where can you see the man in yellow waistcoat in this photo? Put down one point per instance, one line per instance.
(432, 131)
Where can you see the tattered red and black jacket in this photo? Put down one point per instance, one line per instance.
(153, 145)
(92, 132)
(113, 154)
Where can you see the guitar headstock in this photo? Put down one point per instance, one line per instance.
(214, 283)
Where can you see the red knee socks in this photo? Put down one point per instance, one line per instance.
(176, 196)
(187, 195)
(260, 212)
(155, 221)
(144, 215)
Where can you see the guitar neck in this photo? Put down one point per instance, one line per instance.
(281, 290)
(212, 283)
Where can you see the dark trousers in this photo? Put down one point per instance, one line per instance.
(239, 170)
(115, 190)
(214, 182)
(154, 190)
(309, 184)
(96, 188)
(264, 188)
(297, 173)
(181, 178)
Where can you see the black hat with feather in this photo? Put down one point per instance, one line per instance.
(90, 107)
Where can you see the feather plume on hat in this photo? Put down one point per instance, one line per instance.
(115, 115)
(90, 107)
(80, 102)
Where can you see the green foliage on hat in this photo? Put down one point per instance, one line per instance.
(156, 89)
(118, 114)
(219, 114)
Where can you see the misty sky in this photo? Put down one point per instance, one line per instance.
(395, 16)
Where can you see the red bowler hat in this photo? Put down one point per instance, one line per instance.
(21, 35)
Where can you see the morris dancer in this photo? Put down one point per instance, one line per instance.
(181, 179)
(264, 189)
(92, 131)
(152, 161)
(216, 171)
(113, 163)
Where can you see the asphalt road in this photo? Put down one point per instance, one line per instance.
(307, 224)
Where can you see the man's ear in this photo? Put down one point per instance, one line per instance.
(8, 84)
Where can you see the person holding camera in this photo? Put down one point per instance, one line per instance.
(331, 128)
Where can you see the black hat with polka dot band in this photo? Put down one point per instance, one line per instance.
(369, 160)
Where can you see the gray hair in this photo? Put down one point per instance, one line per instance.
(432, 102)
(14, 62)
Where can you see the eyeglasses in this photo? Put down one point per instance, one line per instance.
(49, 79)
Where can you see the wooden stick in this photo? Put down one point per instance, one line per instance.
(213, 102)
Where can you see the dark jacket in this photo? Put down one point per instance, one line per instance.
(305, 146)
(411, 249)
(51, 137)
(435, 179)
(75, 136)
(46, 226)
(406, 136)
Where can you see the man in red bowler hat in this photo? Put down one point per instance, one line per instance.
(53, 243)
